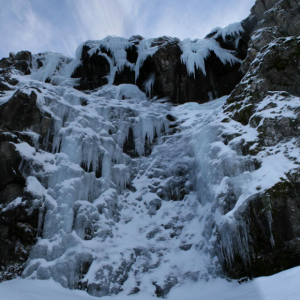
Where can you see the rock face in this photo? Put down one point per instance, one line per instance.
(21, 61)
(156, 67)
(268, 222)
(274, 19)
(93, 70)
(19, 219)
(273, 228)
(272, 70)
(173, 81)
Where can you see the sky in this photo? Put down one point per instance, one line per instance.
(61, 25)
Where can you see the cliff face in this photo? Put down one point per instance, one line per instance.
(156, 66)
(107, 186)
(265, 100)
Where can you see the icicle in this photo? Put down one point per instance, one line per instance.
(149, 84)
(106, 168)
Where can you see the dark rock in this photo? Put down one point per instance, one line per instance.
(129, 144)
(18, 232)
(23, 66)
(260, 39)
(154, 206)
(273, 131)
(21, 61)
(158, 291)
(134, 291)
(274, 19)
(275, 69)
(172, 79)
(135, 39)
(23, 55)
(5, 63)
(164, 69)
(127, 75)
(171, 118)
(249, 24)
(20, 112)
(162, 292)
(4, 86)
(269, 229)
(18, 220)
(284, 14)
(264, 238)
(186, 247)
(132, 54)
(93, 70)
(11, 181)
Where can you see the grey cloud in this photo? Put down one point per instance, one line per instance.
(60, 25)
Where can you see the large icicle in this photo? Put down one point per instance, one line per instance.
(194, 54)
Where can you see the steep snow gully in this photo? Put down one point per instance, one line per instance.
(111, 188)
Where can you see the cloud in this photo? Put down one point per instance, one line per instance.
(21, 27)
(61, 25)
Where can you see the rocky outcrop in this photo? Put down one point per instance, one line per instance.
(173, 81)
(20, 61)
(274, 19)
(276, 68)
(19, 216)
(93, 70)
(159, 74)
(267, 227)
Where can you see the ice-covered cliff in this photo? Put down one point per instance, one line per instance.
(109, 186)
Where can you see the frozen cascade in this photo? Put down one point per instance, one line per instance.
(114, 223)
(109, 222)
(97, 239)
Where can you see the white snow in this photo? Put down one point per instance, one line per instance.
(233, 30)
(284, 285)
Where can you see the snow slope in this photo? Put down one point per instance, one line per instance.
(282, 286)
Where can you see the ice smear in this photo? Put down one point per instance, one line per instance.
(54, 67)
(149, 84)
(144, 51)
